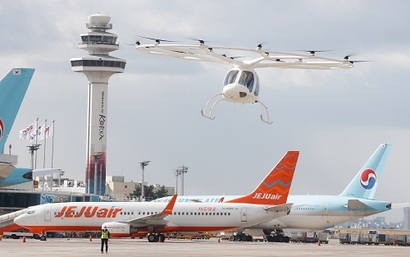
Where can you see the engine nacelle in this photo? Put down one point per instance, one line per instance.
(118, 229)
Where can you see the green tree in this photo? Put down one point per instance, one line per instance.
(150, 193)
(162, 192)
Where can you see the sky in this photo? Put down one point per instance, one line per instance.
(336, 118)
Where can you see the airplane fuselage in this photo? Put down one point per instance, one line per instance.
(311, 211)
(185, 217)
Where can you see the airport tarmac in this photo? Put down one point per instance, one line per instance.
(195, 248)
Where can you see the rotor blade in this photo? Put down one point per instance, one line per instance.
(200, 41)
(157, 40)
(313, 52)
(347, 58)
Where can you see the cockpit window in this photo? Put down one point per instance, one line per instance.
(231, 77)
(247, 80)
(31, 212)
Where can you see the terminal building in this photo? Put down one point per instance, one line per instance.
(48, 189)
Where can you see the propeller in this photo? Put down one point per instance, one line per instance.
(200, 41)
(313, 52)
(347, 59)
(260, 45)
(156, 40)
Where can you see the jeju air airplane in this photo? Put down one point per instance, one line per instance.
(316, 212)
(152, 219)
(13, 88)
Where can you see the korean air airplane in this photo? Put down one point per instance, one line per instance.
(152, 219)
(13, 88)
(315, 212)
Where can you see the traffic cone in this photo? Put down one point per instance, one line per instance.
(318, 242)
(24, 239)
(91, 238)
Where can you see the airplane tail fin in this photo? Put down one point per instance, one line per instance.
(274, 188)
(365, 183)
(13, 87)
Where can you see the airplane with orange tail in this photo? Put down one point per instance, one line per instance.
(318, 212)
(152, 219)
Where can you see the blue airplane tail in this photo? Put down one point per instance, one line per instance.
(364, 184)
(13, 88)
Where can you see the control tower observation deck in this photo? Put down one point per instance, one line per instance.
(98, 66)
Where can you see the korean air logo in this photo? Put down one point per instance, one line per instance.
(2, 129)
(368, 179)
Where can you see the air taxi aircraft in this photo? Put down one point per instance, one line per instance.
(315, 212)
(241, 84)
(135, 219)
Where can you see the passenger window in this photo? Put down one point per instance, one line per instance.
(247, 80)
(231, 77)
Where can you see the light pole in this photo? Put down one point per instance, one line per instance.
(143, 164)
(180, 171)
(177, 173)
(183, 170)
(33, 148)
(96, 157)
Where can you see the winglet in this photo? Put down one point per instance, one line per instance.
(170, 206)
(274, 188)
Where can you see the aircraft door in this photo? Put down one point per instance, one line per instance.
(47, 213)
(244, 215)
(325, 213)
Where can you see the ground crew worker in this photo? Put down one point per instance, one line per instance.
(105, 234)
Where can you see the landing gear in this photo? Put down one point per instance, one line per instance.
(43, 237)
(156, 237)
(215, 99)
(241, 237)
(264, 109)
(207, 111)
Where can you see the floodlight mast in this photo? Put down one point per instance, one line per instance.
(181, 171)
(143, 164)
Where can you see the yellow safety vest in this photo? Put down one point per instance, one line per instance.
(105, 234)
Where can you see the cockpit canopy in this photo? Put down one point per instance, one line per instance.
(246, 78)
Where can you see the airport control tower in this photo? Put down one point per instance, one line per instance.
(98, 66)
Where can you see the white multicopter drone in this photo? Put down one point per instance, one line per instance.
(241, 84)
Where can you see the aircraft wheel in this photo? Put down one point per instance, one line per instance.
(161, 238)
(152, 238)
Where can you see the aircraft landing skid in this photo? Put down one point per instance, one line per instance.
(207, 111)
